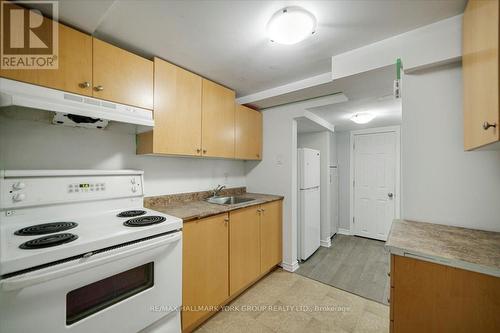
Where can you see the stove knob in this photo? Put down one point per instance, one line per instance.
(134, 189)
(132, 180)
(18, 186)
(19, 197)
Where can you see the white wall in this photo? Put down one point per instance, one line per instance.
(442, 183)
(343, 160)
(277, 172)
(321, 141)
(39, 145)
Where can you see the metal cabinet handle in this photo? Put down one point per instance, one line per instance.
(84, 84)
(487, 125)
(198, 150)
(98, 88)
(258, 155)
(204, 151)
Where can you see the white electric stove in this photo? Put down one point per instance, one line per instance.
(80, 253)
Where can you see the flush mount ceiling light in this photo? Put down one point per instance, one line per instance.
(291, 25)
(362, 117)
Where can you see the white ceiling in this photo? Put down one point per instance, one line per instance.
(226, 41)
(387, 110)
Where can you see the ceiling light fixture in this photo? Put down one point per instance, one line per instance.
(291, 25)
(362, 117)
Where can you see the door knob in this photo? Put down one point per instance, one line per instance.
(390, 195)
(99, 88)
(487, 125)
(84, 84)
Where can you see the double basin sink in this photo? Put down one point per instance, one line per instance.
(234, 200)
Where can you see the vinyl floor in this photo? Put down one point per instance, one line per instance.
(354, 264)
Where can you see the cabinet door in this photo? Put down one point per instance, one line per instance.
(218, 107)
(204, 266)
(74, 73)
(121, 76)
(244, 247)
(270, 235)
(434, 298)
(177, 110)
(481, 73)
(248, 133)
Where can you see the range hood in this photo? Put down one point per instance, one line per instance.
(72, 109)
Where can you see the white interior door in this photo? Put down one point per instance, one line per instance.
(374, 184)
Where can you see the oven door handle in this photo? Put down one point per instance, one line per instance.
(51, 273)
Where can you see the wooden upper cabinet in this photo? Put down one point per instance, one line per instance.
(205, 266)
(218, 108)
(74, 73)
(480, 61)
(177, 113)
(248, 133)
(244, 248)
(121, 76)
(270, 235)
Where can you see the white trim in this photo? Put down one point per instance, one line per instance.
(290, 267)
(326, 243)
(397, 187)
(286, 88)
(343, 231)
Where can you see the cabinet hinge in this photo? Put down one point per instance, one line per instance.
(353, 219)
(353, 182)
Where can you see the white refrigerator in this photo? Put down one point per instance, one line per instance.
(309, 201)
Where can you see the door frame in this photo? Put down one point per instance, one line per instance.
(397, 186)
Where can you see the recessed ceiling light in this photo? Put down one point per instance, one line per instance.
(362, 117)
(291, 25)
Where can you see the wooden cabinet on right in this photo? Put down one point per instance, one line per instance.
(217, 124)
(248, 133)
(270, 235)
(434, 298)
(480, 60)
(244, 248)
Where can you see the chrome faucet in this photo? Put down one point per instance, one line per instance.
(217, 190)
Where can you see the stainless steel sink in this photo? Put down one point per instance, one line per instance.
(228, 200)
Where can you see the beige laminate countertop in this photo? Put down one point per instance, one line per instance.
(198, 209)
(470, 249)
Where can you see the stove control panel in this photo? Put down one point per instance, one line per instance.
(43, 190)
(86, 187)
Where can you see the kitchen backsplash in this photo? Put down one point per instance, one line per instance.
(29, 144)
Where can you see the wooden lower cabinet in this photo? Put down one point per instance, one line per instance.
(271, 235)
(244, 248)
(225, 254)
(434, 298)
(205, 268)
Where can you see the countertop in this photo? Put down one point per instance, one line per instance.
(470, 249)
(197, 209)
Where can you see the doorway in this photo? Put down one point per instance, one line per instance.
(375, 179)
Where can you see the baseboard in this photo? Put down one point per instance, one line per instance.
(290, 267)
(326, 243)
(343, 231)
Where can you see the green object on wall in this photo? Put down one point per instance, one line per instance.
(398, 69)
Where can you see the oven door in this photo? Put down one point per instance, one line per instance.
(123, 289)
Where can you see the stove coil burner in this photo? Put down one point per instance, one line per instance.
(144, 221)
(46, 228)
(131, 213)
(48, 241)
